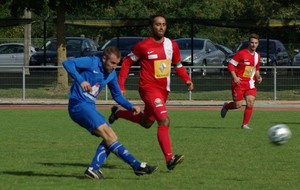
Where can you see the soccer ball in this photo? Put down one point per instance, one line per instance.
(279, 134)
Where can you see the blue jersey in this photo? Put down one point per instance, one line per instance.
(90, 69)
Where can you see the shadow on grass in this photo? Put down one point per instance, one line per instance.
(81, 176)
(108, 166)
(205, 127)
(32, 173)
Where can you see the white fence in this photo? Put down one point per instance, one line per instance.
(279, 83)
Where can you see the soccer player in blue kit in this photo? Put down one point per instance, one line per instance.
(91, 74)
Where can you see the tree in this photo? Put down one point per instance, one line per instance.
(60, 8)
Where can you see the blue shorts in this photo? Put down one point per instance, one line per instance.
(86, 115)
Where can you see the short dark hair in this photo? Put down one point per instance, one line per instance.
(255, 36)
(151, 19)
(111, 50)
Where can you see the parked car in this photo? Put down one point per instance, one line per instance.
(278, 55)
(205, 53)
(125, 44)
(296, 62)
(76, 47)
(12, 54)
(224, 49)
(296, 59)
(227, 51)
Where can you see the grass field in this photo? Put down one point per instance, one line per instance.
(44, 149)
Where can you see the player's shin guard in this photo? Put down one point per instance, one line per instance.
(165, 142)
(247, 115)
(119, 150)
(102, 153)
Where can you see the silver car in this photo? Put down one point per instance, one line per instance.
(296, 59)
(12, 54)
(205, 53)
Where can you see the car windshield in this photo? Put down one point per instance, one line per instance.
(72, 45)
(122, 43)
(51, 45)
(263, 45)
(187, 44)
(8, 49)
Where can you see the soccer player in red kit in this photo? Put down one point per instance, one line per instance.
(244, 69)
(156, 55)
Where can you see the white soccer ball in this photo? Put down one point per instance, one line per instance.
(279, 134)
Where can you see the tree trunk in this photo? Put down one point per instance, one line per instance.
(62, 75)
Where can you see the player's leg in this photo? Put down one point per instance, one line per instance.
(88, 117)
(155, 106)
(141, 118)
(144, 119)
(93, 171)
(236, 103)
(250, 99)
(114, 146)
(117, 112)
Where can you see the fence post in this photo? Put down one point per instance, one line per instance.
(106, 93)
(23, 83)
(190, 92)
(275, 83)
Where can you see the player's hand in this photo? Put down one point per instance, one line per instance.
(259, 79)
(190, 85)
(237, 80)
(136, 110)
(86, 86)
(123, 92)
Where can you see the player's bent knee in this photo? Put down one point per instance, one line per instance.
(165, 121)
(147, 124)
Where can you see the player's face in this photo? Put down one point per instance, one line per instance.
(253, 44)
(110, 63)
(159, 28)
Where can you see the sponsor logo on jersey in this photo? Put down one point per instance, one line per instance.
(153, 56)
(158, 102)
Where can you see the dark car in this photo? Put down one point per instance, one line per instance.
(205, 53)
(276, 52)
(76, 47)
(124, 44)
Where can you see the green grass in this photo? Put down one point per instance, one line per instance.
(44, 149)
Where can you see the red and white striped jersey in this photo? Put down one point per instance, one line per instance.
(155, 61)
(245, 65)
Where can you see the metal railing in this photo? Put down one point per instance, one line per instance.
(276, 79)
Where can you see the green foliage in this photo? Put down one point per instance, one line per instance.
(202, 9)
(45, 149)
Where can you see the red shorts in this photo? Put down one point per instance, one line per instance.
(155, 104)
(239, 94)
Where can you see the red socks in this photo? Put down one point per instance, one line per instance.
(165, 142)
(247, 115)
(128, 115)
(229, 106)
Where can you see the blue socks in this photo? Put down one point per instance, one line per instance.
(119, 150)
(102, 153)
